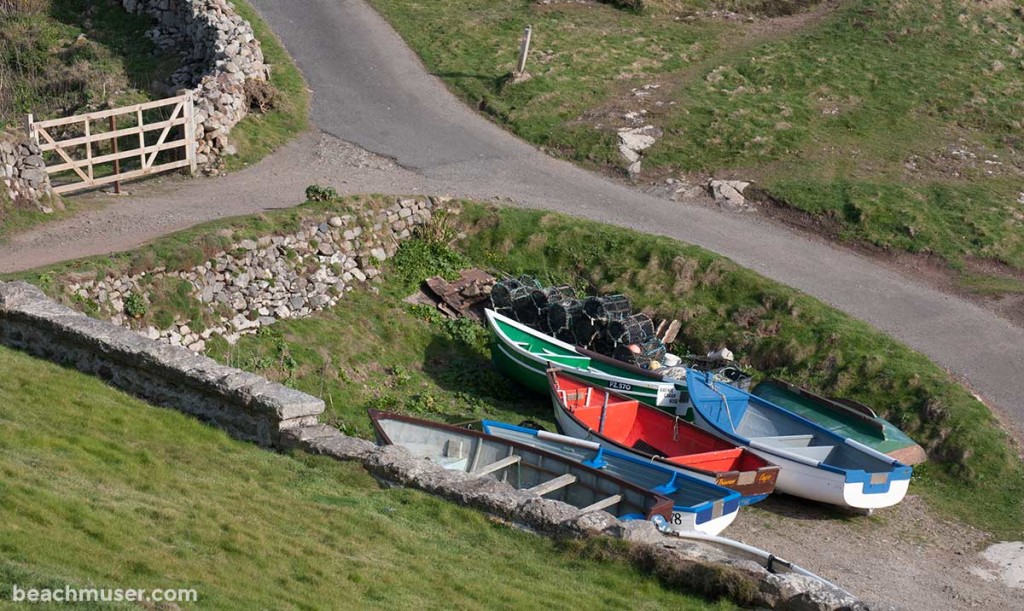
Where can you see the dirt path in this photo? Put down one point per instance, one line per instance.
(900, 555)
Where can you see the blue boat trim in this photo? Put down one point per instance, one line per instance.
(598, 461)
(730, 499)
(898, 471)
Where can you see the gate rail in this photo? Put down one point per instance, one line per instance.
(84, 166)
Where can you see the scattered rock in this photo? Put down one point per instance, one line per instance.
(729, 193)
(633, 141)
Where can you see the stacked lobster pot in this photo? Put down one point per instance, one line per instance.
(605, 324)
(512, 298)
(547, 297)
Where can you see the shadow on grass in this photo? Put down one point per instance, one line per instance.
(462, 369)
(121, 33)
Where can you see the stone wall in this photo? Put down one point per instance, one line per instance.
(24, 176)
(256, 282)
(220, 54)
(246, 405)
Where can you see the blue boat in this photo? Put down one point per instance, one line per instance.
(815, 462)
(698, 506)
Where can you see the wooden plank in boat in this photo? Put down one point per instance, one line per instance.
(603, 504)
(497, 465)
(553, 484)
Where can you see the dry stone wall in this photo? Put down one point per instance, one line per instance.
(246, 405)
(24, 176)
(256, 282)
(220, 54)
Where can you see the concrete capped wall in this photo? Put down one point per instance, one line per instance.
(246, 405)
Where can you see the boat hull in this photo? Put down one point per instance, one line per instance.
(699, 505)
(817, 480)
(530, 370)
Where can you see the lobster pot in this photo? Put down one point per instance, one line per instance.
(585, 329)
(634, 329)
(652, 350)
(642, 354)
(523, 309)
(562, 315)
(530, 282)
(608, 308)
(542, 322)
(501, 293)
(567, 336)
(542, 297)
(603, 345)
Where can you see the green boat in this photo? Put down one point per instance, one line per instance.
(844, 417)
(525, 355)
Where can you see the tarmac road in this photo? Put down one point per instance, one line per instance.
(371, 93)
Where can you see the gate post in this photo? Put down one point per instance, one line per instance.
(29, 130)
(190, 133)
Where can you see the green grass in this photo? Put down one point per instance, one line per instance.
(55, 60)
(581, 55)
(991, 285)
(376, 351)
(102, 490)
(898, 122)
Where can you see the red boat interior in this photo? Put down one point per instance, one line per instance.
(651, 431)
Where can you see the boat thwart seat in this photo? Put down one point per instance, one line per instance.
(605, 503)
(795, 444)
(497, 465)
(553, 484)
(787, 441)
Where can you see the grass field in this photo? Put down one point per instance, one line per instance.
(102, 490)
(896, 123)
(376, 351)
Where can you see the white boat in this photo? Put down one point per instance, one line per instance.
(815, 462)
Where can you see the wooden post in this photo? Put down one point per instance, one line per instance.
(190, 134)
(88, 148)
(113, 149)
(524, 50)
(29, 130)
(142, 141)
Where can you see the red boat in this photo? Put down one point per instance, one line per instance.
(590, 412)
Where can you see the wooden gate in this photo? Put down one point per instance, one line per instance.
(75, 144)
